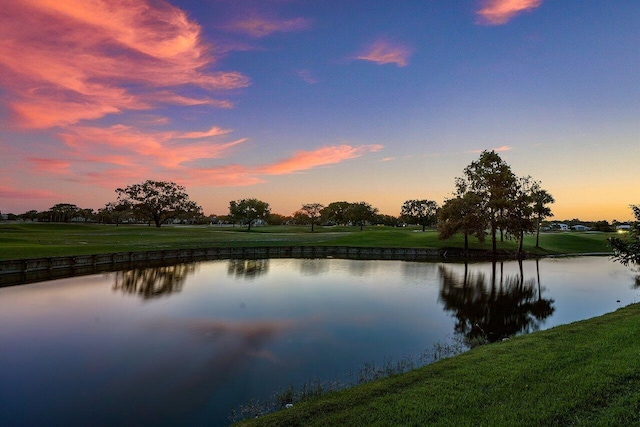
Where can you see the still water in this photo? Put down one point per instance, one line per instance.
(186, 343)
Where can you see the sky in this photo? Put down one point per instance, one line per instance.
(315, 101)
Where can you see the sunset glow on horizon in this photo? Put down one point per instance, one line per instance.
(302, 101)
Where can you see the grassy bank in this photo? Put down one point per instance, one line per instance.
(33, 240)
(585, 373)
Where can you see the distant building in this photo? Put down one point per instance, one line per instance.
(580, 227)
(623, 227)
(560, 226)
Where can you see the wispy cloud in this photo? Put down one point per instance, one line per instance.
(239, 175)
(303, 160)
(500, 149)
(66, 61)
(307, 76)
(119, 153)
(497, 12)
(385, 52)
(125, 145)
(258, 26)
(50, 166)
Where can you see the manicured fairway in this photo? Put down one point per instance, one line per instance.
(33, 240)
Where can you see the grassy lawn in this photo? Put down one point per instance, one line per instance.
(585, 373)
(33, 240)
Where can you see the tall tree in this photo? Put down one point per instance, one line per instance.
(158, 201)
(312, 211)
(421, 212)
(361, 212)
(627, 251)
(491, 178)
(541, 199)
(247, 211)
(520, 215)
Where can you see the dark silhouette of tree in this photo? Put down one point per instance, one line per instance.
(361, 212)
(627, 251)
(462, 214)
(62, 212)
(277, 219)
(113, 213)
(490, 310)
(312, 211)
(31, 215)
(520, 218)
(247, 211)
(158, 201)
(541, 199)
(497, 199)
(384, 219)
(336, 212)
(421, 212)
(491, 178)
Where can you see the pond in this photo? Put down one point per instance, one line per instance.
(186, 343)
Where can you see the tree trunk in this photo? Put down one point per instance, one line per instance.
(423, 227)
(537, 233)
(312, 226)
(466, 242)
(520, 244)
(494, 245)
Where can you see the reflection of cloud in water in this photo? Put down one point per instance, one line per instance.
(204, 355)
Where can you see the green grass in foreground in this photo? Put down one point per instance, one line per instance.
(585, 373)
(33, 240)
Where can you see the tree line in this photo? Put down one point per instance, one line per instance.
(489, 201)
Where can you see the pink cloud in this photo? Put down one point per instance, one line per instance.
(384, 52)
(66, 61)
(223, 176)
(214, 131)
(125, 145)
(500, 149)
(260, 26)
(303, 160)
(497, 12)
(503, 148)
(22, 193)
(238, 175)
(54, 166)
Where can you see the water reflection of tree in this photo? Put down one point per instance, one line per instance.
(153, 282)
(247, 268)
(496, 308)
(314, 266)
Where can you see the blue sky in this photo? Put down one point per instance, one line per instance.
(296, 101)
